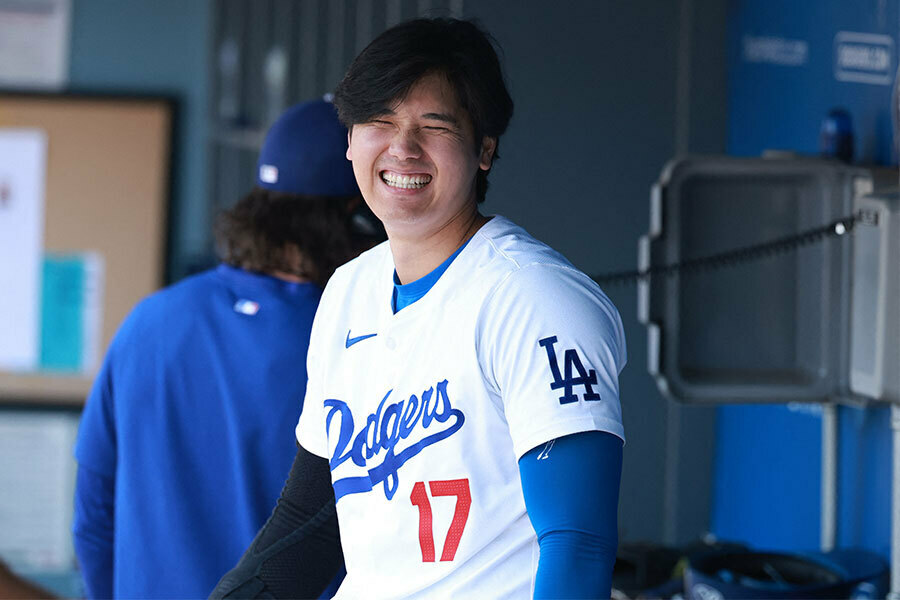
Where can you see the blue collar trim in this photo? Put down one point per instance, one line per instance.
(406, 294)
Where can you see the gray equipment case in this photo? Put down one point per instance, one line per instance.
(794, 326)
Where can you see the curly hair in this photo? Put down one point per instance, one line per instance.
(306, 236)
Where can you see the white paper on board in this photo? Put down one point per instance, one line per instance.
(95, 277)
(23, 158)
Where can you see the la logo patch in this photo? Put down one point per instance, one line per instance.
(586, 378)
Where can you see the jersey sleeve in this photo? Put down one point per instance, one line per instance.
(551, 346)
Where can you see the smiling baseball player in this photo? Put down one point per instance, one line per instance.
(463, 396)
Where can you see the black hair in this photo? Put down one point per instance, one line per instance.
(458, 50)
(307, 236)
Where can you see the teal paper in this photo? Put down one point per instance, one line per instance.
(62, 313)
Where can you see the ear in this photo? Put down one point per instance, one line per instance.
(488, 146)
(349, 154)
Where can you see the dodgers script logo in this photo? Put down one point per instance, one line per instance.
(426, 421)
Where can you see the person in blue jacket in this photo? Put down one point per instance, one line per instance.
(187, 434)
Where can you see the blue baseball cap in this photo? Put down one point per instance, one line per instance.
(305, 152)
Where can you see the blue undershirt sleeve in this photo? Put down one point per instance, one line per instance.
(93, 531)
(571, 490)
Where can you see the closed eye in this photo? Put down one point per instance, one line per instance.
(436, 128)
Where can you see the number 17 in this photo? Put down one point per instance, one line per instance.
(419, 498)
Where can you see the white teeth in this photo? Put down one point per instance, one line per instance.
(405, 182)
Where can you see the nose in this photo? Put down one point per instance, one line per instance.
(405, 145)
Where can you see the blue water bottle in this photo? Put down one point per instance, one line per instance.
(836, 137)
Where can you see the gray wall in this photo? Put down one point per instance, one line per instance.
(604, 98)
(155, 47)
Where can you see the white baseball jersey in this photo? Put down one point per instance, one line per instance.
(424, 414)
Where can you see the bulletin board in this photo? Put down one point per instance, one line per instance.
(106, 194)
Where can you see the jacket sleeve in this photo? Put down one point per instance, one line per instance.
(92, 529)
(93, 525)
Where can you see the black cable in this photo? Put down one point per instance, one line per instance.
(732, 258)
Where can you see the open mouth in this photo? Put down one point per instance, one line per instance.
(405, 182)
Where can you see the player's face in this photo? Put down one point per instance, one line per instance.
(416, 163)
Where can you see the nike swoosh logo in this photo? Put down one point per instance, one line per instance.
(352, 340)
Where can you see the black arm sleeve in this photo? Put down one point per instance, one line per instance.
(297, 552)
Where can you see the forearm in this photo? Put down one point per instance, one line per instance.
(575, 564)
(571, 490)
(297, 553)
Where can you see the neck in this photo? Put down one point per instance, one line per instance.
(413, 259)
(297, 262)
(288, 277)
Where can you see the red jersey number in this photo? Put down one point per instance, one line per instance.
(419, 499)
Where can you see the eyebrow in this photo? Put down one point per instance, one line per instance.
(443, 117)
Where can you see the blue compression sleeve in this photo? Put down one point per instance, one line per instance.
(571, 489)
(93, 531)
